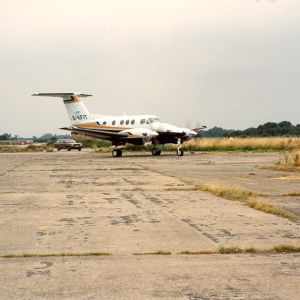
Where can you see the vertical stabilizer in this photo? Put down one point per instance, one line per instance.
(76, 110)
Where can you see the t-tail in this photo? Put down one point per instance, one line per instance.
(76, 110)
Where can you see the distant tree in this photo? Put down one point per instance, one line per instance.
(5, 136)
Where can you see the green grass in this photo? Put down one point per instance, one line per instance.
(54, 254)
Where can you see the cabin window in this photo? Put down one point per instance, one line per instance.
(132, 122)
(104, 123)
(122, 122)
(142, 121)
(97, 123)
(127, 122)
(113, 122)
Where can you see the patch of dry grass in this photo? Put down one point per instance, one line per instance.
(54, 254)
(283, 248)
(290, 162)
(235, 193)
(243, 144)
(292, 194)
(270, 208)
(27, 148)
(230, 192)
(159, 252)
(198, 252)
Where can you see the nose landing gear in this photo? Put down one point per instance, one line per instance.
(179, 151)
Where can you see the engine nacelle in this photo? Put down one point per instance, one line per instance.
(147, 134)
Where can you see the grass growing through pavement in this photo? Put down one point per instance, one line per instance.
(159, 252)
(292, 194)
(286, 248)
(290, 162)
(54, 254)
(230, 192)
(233, 192)
(283, 248)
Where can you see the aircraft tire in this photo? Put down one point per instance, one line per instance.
(156, 151)
(116, 153)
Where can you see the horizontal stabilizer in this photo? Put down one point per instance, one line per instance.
(62, 95)
(199, 128)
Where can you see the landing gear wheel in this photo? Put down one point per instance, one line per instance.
(116, 153)
(179, 151)
(156, 151)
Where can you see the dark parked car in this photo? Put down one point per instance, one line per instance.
(68, 144)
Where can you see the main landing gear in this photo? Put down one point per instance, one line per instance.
(116, 152)
(179, 150)
(156, 151)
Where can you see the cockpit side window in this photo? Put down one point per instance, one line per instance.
(143, 121)
(151, 120)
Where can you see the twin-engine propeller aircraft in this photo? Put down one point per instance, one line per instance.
(133, 129)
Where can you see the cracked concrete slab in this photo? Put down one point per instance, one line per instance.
(87, 202)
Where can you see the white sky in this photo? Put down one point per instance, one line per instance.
(229, 63)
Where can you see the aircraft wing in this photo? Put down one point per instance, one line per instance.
(97, 133)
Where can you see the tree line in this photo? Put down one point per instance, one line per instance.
(284, 128)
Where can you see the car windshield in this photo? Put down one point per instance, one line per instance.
(70, 141)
